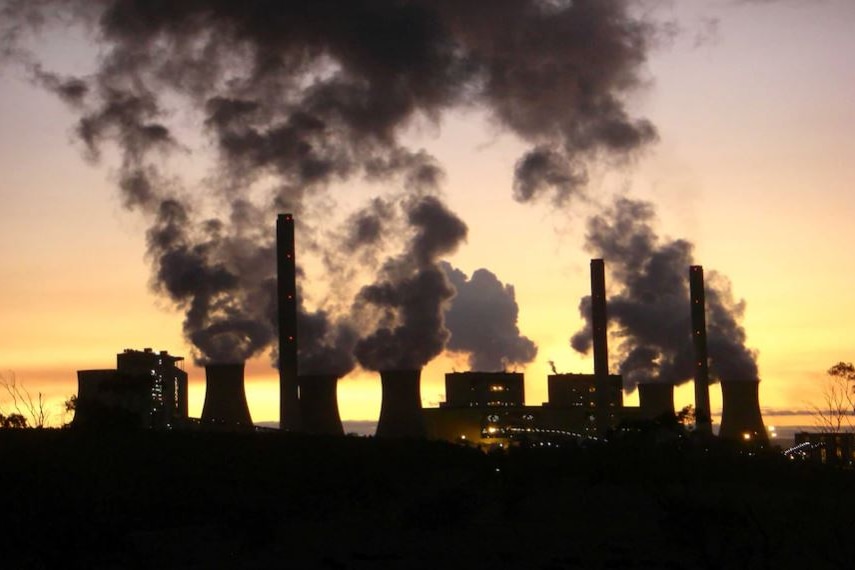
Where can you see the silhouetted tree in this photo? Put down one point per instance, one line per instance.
(34, 410)
(12, 421)
(834, 414)
(69, 407)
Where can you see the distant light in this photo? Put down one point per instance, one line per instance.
(746, 436)
(462, 436)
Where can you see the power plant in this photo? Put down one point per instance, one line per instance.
(589, 406)
(487, 408)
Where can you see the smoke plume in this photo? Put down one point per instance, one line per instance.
(410, 295)
(650, 310)
(293, 97)
(482, 320)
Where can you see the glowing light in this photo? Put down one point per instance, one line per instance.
(746, 436)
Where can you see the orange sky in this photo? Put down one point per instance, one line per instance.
(756, 166)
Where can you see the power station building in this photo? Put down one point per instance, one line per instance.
(488, 409)
(147, 389)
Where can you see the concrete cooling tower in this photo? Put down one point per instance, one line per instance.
(740, 414)
(225, 397)
(656, 399)
(401, 409)
(319, 404)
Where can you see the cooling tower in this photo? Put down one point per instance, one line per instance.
(225, 397)
(703, 422)
(319, 404)
(286, 272)
(656, 399)
(740, 414)
(401, 409)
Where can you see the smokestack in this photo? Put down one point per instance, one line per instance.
(740, 414)
(286, 271)
(703, 421)
(656, 399)
(401, 409)
(599, 319)
(319, 404)
(225, 397)
(599, 331)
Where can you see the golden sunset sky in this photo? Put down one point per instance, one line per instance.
(755, 107)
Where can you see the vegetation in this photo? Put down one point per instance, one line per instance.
(203, 500)
(835, 413)
(28, 410)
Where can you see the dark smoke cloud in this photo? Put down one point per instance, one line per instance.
(325, 343)
(302, 94)
(482, 320)
(72, 90)
(224, 318)
(410, 296)
(544, 169)
(651, 306)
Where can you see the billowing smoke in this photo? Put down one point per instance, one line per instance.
(409, 298)
(325, 343)
(292, 97)
(650, 307)
(482, 320)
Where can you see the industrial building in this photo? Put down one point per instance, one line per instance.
(147, 389)
(833, 448)
(488, 409)
(478, 389)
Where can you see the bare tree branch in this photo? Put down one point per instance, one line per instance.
(835, 414)
(34, 409)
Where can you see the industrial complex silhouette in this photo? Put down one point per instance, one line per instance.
(488, 409)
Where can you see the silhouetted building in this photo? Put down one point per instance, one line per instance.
(169, 398)
(146, 390)
(482, 389)
(401, 408)
(225, 397)
(740, 412)
(830, 448)
(580, 390)
(319, 404)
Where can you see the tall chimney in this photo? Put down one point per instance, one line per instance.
(599, 330)
(599, 319)
(703, 421)
(225, 397)
(319, 404)
(740, 415)
(401, 409)
(286, 271)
